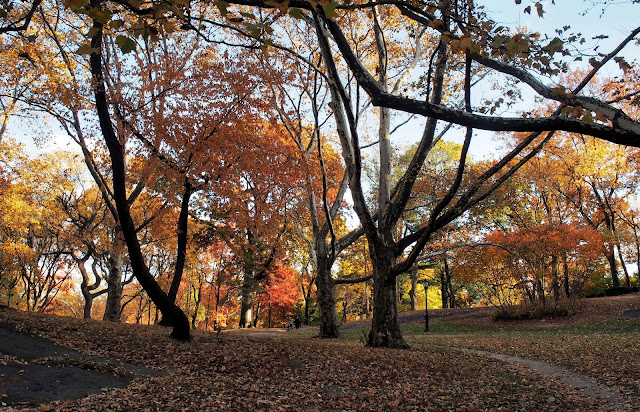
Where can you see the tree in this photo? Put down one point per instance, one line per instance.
(280, 294)
(463, 33)
(33, 231)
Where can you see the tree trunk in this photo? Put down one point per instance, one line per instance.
(246, 304)
(85, 287)
(414, 284)
(325, 295)
(565, 274)
(449, 276)
(177, 317)
(443, 288)
(624, 266)
(611, 258)
(181, 253)
(555, 282)
(540, 290)
(112, 310)
(181, 249)
(385, 329)
(307, 313)
(344, 310)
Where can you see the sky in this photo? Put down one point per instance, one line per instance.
(585, 16)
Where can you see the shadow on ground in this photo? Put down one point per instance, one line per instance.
(36, 370)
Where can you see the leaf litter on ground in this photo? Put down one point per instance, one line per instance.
(257, 372)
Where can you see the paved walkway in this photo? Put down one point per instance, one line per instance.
(585, 385)
(35, 370)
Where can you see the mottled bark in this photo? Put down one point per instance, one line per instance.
(246, 303)
(112, 311)
(385, 328)
(613, 266)
(329, 327)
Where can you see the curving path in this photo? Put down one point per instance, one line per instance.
(586, 385)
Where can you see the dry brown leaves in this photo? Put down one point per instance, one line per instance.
(258, 373)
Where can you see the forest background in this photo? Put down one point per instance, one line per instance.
(244, 164)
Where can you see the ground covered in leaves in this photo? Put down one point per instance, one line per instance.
(257, 371)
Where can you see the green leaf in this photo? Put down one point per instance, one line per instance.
(330, 9)
(101, 16)
(126, 44)
(116, 24)
(93, 32)
(554, 46)
(75, 4)
(254, 29)
(295, 13)
(222, 6)
(87, 49)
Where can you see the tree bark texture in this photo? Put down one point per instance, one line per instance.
(329, 328)
(385, 328)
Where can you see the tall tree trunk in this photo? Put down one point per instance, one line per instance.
(182, 230)
(181, 250)
(325, 294)
(198, 298)
(367, 298)
(443, 288)
(385, 328)
(449, 288)
(112, 310)
(555, 282)
(611, 258)
(345, 302)
(624, 266)
(540, 290)
(256, 314)
(414, 284)
(307, 311)
(246, 303)
(177, 317)
(452, 295)
(565, 274)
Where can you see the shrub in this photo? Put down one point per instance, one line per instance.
(558, 310)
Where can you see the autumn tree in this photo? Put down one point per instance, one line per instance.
(33, 230)
(462, 33)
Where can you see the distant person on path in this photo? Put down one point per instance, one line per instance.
(297, 322)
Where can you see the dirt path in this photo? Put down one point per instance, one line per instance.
(587, 386)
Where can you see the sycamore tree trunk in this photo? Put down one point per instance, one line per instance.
(329, 328)
(246, 303)
(611, 258)
(112, 310)
(385, 328)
